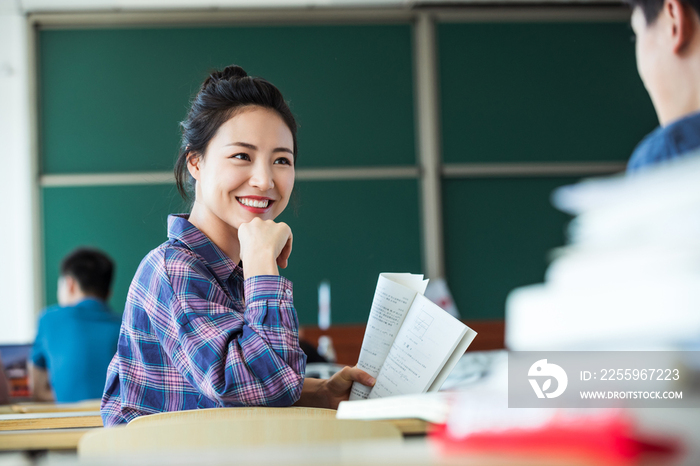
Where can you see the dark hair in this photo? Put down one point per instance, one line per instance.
(220, 97)
(652, 8)
(92, 269)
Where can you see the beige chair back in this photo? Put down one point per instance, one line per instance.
(213, 414)
(228, 433)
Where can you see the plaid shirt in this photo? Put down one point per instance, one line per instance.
(196, 335)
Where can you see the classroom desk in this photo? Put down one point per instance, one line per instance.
(35, 421)
(62, 431)
(46, 431)
(51, 407)
(79, 419)
(41, 439)
(418, 452)
(412, 452)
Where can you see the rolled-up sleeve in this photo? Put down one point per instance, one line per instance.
(234, 357)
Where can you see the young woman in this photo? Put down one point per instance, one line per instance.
(208, 320)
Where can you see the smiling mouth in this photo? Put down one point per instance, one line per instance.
(256, 203)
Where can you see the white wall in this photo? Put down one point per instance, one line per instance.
(17, 292)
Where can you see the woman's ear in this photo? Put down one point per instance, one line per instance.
(193, 161)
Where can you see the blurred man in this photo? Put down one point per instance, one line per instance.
(668, 59)
(76, 339)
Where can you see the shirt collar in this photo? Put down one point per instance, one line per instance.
(93, 303)
(682, 122)
(180, 229)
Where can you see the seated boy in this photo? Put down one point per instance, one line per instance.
(77, 339)
(668, 59)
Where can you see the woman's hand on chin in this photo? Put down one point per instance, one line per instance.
(264, 246)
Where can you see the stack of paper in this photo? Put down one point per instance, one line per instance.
(629, 277)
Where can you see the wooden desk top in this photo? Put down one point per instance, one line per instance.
(50, 407)
(6, 409)
(50, 420)
(51, 439)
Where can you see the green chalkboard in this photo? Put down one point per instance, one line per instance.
(498, 233)
(111, 99)
(347, 232)
(124, 221)
(540, 92)
(344, 232)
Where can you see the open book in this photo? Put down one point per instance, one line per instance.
(410, 344)
(431, 407)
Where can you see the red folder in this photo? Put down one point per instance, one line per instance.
(604, 440)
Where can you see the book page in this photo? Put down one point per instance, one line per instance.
(413, 281)
(392, 299)
(432, 407)
(453, 360)
(426, 341)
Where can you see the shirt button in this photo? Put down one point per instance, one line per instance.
(289, 292)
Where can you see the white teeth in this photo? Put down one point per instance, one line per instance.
(253, 203)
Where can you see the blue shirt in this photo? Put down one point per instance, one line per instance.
(196, 334)
(75, 345)
(666, 143)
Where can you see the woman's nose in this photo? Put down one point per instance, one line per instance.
(261, 177)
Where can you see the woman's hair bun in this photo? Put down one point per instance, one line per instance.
(228, 73)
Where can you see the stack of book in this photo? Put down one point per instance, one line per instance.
(630, 276)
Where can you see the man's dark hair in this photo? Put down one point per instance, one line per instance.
(652, 8)
(92, 269)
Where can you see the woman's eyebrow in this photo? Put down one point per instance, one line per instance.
(254, 147)
(242, 144)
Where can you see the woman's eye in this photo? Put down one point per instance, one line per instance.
(241, 156)
(284, 161)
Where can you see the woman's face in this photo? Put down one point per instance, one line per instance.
(247, 170)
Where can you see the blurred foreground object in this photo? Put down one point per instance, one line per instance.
(480, 424)
(553, 436)
(629, 279)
